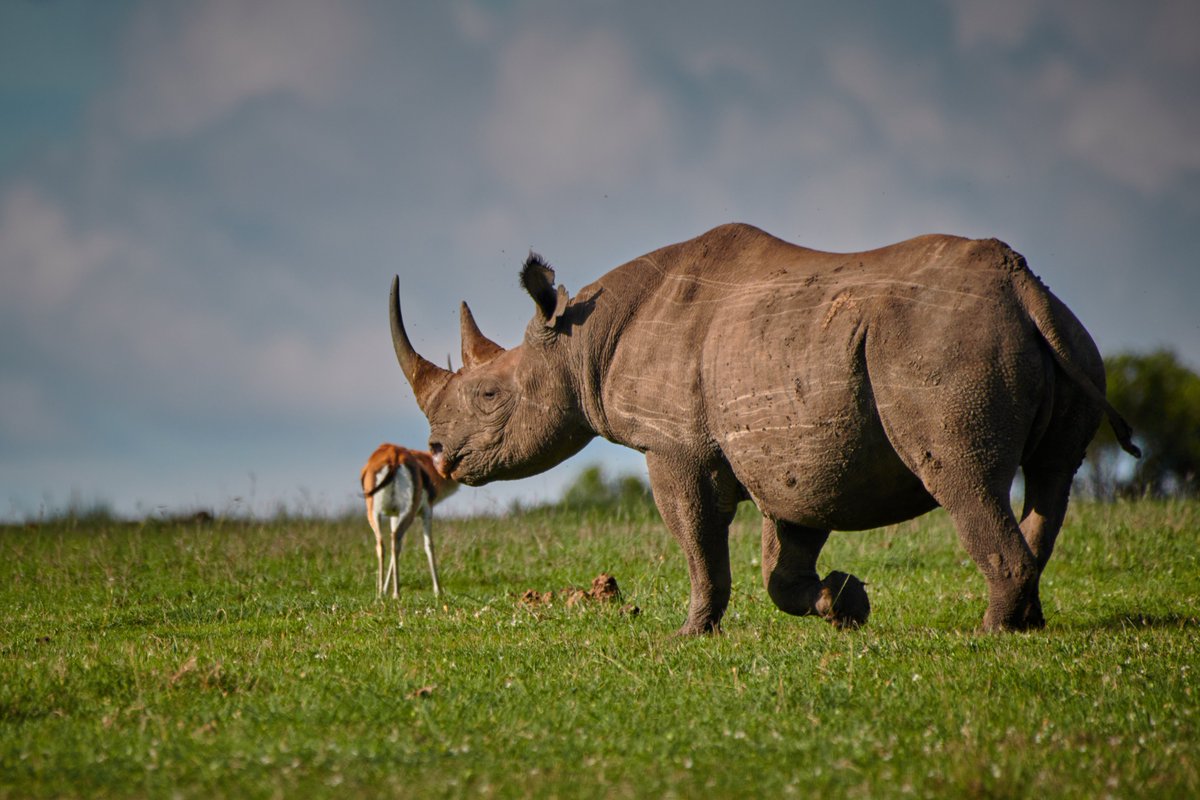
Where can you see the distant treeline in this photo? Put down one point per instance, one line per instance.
(594, 489)
(1160, 397)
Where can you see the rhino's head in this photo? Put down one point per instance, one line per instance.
(506, 413)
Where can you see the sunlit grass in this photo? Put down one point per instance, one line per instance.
(249, 658)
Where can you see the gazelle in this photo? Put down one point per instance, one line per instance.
(401, 484)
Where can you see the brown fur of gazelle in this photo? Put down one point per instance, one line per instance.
(400, 485)
(837, 391)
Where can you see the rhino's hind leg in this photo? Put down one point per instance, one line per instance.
(1046, 495)
(1048, 477)
(989, 533)
(789, 568)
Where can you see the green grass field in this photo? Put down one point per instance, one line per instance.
(252, 659)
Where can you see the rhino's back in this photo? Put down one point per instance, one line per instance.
(734, 296)
(745, 344)
(738, 254)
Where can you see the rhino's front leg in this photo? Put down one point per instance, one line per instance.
(789, 569)
(697, 504)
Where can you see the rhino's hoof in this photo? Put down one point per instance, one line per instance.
(1031, 619)
(705, 628)
(843, 601)
(1034, 619)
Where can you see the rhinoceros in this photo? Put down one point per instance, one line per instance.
(837, 391)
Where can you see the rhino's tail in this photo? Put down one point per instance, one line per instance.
(1040, 304)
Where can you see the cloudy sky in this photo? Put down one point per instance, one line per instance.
(202, 203)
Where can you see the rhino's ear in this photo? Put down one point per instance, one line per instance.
(538, 279)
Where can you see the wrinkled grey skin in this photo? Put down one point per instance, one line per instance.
(836, 391)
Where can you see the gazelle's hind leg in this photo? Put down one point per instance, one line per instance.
(391, 568)
(374, 520)
(427, 520)
(399, 526)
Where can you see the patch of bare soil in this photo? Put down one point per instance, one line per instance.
(604, 590)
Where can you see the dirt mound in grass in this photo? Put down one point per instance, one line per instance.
(604, 590)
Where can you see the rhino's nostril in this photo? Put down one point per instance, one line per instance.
(439, 459)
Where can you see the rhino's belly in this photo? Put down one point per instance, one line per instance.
(847, 508)
(830, 476)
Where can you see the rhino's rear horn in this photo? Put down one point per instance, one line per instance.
(476, 348)
(425, 378)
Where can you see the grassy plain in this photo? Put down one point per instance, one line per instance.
(251, 659)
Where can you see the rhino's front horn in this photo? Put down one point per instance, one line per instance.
(476, 348)
(425, 377)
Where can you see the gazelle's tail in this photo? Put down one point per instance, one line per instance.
(379, 485)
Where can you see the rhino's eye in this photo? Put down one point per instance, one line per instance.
(488, 397)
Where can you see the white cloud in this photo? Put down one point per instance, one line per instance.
(727, 57)
(114, 310)
(192, 64)
(1172, 34)
(1115, 92)
(1122, 126)
(986, 23)
(1124, 130)
(897, 96)
(194, 359)
(571, 110)
(25, 412)
(475, 23)
(45, 260)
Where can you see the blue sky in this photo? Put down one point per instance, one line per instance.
(202, 203)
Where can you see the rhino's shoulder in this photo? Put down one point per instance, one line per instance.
(740, 237)
(734, 243)
(735, 246)
(734, 231)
